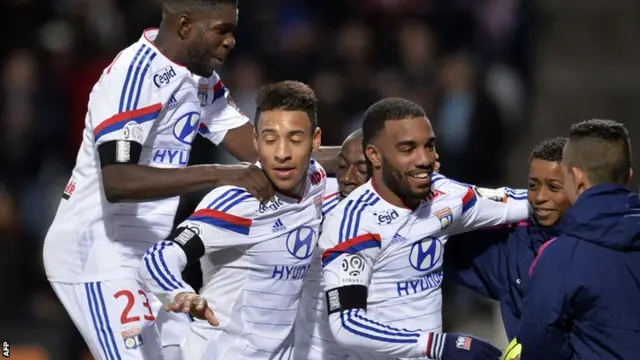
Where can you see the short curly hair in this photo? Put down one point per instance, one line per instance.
(549, 149)
(288, 95)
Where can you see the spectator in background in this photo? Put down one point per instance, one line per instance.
(471, 133)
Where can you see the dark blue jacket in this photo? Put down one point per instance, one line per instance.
(495, 263)
(583, 301)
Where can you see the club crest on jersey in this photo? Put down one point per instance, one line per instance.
(426, 253)
(301, 242)
(132, 338)
(445, 216)
(203, 94)
(163, 76)
(186, 127)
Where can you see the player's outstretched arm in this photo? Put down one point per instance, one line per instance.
(484, 207)
(222, 220)
(133, 182)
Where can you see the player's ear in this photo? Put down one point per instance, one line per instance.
(317, 139)
(373, 154)
(184, 26)
(255, 139)
(579, 179)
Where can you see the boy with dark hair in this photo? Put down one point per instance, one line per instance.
(585, 286)
(495, 262)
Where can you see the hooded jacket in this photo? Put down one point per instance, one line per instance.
(583, 299)
(495, 263)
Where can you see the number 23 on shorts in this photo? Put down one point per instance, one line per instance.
(126, 316)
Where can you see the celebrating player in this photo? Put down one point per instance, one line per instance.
(495, 263)
(143, 114)
(313, 337)
(255, 257)
(382, 245)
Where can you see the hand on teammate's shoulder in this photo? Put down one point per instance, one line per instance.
(194, 304)
(247, 176)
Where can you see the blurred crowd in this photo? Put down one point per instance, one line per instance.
(465, 61)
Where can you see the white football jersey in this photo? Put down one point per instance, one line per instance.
(143, 97)
(256, 258)
(313, 337)
(396, 253)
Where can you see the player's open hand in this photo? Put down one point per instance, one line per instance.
(247, 176)
(194, 304)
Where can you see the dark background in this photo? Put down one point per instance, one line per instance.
(495, 76)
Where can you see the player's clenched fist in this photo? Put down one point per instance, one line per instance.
(194, 304)
(247, 176)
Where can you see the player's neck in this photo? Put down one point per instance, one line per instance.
(391, 197)
(297, 192)
(168, 47)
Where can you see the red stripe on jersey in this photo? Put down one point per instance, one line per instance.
(331, 195)
(127, 115)
(352, 246)
(232, 219)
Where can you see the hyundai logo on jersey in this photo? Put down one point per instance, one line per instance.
(425, 254)
(164, 76)
(386, 217)
(170, 157)
(430, 281)
(301, 242)
(186, 127)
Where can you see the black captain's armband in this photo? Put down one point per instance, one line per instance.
(346, 297)
(189, 241)
(119, 152)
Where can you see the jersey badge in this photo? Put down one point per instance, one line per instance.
(301, 242)
(132, 338)
(123, 151)
(133, 131)
(445, 216)
(203, 94)
(352, 268)
(317, 201)
(491, 194)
